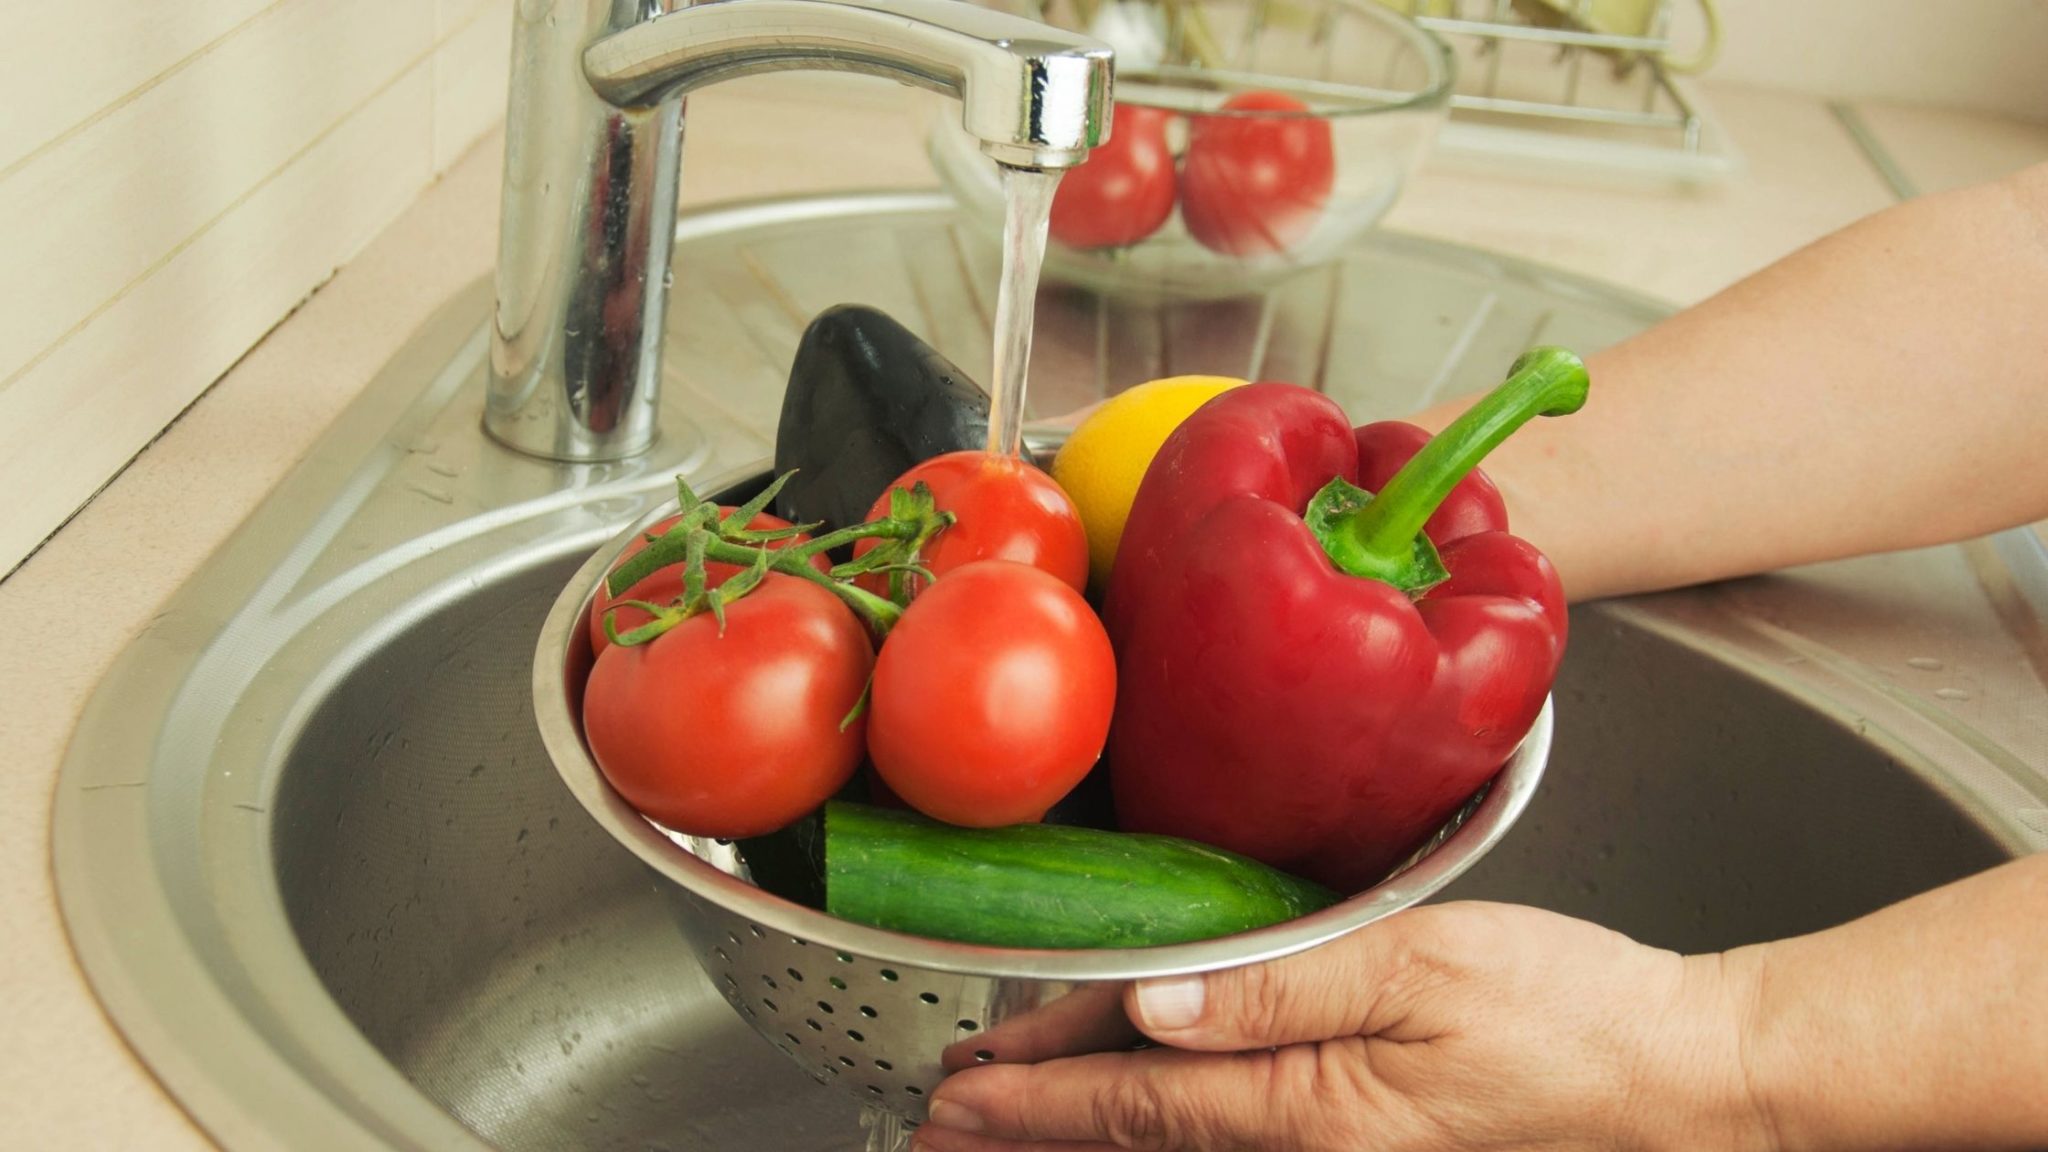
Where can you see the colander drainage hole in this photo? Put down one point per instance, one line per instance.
(795, 975)
(914, 1090)
(874, 1090)
(836, 982)
(769, 1004)
(815, 1026)
(767, 979)
(928, 997)
(885, 1066)
(984, 1055)
(722, 957)
(824, 1007)
(844, 957)
(856, 1037)
(756, 930)
(967, 1026)
(889, 974)
(846, 1060)
(733, 936)
(868, 1012)
(791, 1037)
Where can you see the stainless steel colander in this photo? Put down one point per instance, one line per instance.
(887, 1016)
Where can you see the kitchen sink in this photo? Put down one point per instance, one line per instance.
(319, 869)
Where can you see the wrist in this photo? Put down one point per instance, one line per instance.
(1705, 1090)
(1741, 975)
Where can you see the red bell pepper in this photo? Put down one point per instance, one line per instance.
(1313, 675)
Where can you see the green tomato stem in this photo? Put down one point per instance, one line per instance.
(673, 548)
(877, 611)
(887, 529)
(700, 534)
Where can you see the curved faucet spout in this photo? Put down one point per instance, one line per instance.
(1035, 96)
(593, 140)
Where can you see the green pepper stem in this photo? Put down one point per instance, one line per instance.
(1378, 540)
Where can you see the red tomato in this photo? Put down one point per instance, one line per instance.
(737, 734)
(992, 696)
(665, 584)
(1007, 509)
(1256, 184)
(1124, 191)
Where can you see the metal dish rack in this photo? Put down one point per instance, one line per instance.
(1525, 90)
(1537, 83)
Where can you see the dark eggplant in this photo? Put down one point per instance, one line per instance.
(791, 862)
(867, 399)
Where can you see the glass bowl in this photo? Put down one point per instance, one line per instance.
(1252, 139)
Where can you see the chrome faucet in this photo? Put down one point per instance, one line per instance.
(592, 158)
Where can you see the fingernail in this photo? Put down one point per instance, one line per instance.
(958, 1117)
(1172, 1003)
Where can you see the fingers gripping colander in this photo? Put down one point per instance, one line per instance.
(887, 1016)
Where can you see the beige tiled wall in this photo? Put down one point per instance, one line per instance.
(175, 178)
(1982, 55)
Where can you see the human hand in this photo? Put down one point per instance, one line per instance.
(1450, 1026)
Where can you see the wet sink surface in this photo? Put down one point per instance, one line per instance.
(320, 870)
(485, 935)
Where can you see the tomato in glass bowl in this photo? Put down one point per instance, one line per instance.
(1252, 139)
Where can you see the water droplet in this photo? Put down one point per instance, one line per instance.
(1924, 664)
(668, 279)
(1951, 693)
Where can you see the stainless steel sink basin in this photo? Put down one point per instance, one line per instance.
(322, 875)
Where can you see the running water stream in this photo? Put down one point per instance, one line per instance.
(1027, 199)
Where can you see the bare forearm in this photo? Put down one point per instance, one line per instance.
(1921, 1026)
(1885, 388)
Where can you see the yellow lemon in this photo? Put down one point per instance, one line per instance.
(1102, 463)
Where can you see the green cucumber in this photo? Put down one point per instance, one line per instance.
(1046, 886)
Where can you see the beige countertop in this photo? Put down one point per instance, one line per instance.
(70, 1082)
